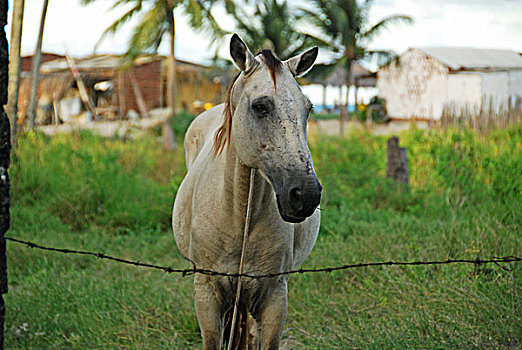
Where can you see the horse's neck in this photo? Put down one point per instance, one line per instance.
(237, 184)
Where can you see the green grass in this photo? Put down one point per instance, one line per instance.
(116, 197)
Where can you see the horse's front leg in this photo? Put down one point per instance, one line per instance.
(209, 311)
(272, 315)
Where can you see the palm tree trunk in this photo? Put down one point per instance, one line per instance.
(356, 103)
(167, 131)
(324, 99)
(341, 111)
(37, 58)
(348, 80)
(14, 65)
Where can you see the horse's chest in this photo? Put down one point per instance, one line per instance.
(269, 247)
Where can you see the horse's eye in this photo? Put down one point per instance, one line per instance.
(260, 109)
(262, 106)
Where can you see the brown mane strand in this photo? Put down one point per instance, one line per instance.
(274, 64)
(222, 135)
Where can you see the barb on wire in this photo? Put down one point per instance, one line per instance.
(185, 272)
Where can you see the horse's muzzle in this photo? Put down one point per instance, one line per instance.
(298, 198)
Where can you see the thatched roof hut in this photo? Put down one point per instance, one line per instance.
(50, 87)
(336, 76)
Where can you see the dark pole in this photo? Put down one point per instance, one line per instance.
(5, 148)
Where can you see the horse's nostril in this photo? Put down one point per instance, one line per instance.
(296, 199)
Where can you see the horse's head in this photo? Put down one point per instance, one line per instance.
(267, 126)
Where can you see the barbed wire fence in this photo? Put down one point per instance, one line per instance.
(195, 269)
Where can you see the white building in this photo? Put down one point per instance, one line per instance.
(427, 80)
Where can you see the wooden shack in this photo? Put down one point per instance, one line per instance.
(116, 93)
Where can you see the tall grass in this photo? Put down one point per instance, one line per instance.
(85, 192)
(490, 115)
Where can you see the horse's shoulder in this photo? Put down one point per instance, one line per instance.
(201, 131)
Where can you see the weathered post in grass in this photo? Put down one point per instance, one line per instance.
(5, 148)
(397, 162)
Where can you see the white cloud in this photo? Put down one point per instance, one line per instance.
(451, 23)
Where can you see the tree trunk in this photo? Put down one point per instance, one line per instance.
(14, 65)
(167, 132)
(37, 58)
(348, 80)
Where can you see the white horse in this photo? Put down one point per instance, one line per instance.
(262, 125)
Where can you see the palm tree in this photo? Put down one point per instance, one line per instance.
(342, 26)
(157, 20)
(272, 25)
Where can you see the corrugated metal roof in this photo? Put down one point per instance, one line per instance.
(93, 62)
(463, 58)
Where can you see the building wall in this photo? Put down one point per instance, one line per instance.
(495, 90)
(464, 92)
(515, 83)
(200, 91)
(417, 88)
(147, 76)
(194, 87)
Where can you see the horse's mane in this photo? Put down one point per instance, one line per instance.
(222, 135)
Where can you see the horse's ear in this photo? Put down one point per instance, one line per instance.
(240, 53)
(300, 64)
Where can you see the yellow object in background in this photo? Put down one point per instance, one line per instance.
(208, 106)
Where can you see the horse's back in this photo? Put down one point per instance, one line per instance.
(200, 131)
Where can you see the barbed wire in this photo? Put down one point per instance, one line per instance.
(194, 270)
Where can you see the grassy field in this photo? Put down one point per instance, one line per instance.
(116, 196)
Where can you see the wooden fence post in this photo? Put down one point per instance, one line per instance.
(5, 148)
(397, 162)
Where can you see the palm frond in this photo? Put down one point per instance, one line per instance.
(309, 21)
(202, 20)
(147, 35)
(320, 71)
(122, 2)
(384, 23)
(126, 17)
(379, 57)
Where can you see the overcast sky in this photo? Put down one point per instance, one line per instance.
(475, 23)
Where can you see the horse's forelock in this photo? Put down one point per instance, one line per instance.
(273, 63)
